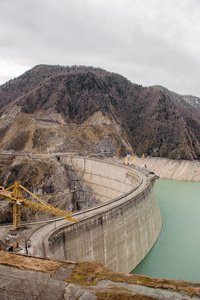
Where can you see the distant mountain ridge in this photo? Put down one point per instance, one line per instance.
(150, 120)
(189, 99)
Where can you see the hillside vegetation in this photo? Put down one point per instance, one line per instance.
(49, 108)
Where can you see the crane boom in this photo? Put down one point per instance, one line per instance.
(19, 202)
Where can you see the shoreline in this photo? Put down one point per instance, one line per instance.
(165, 168)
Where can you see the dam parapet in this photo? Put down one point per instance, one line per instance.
(119, 231)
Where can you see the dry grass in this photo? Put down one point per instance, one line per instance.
(89, 273)
(28, 263)
(122, 296)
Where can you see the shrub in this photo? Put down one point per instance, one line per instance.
(19, 142)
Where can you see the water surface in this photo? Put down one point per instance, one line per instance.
(176, 254)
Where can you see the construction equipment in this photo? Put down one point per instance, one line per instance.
(20, 202)
(129, 158)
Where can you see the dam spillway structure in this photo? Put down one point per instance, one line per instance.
(119, 231)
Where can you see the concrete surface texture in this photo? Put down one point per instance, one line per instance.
(118, 233)
(103, 181)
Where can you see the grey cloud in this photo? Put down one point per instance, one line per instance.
(141, 40)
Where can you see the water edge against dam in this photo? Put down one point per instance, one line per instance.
(176, 252)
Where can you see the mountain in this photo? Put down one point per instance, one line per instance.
(90, 110)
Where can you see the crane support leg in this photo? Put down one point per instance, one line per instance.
(16, 216)
(19, 203)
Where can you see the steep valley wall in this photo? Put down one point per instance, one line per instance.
(119, 232)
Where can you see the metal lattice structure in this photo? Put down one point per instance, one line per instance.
(14, 194)
(131, 159)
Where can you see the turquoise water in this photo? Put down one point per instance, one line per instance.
(176, 254)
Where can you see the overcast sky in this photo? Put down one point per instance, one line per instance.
(151, 42)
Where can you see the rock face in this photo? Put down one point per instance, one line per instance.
(82, 280)
(105, 146)
(172, 169)
(44, 177)
(47, 132)
(47, 178)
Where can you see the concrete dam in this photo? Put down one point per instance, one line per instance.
(119, 231)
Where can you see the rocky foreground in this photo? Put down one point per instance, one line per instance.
(23, 277)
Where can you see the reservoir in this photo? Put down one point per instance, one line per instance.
(176, 254)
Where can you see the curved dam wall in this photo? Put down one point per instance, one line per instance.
(118, 233)
(99, 180)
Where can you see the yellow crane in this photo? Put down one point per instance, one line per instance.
(129, 158)
(13, 193)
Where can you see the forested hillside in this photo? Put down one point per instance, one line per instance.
(148, 120)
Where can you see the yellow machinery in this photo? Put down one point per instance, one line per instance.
(129, 158)
(19, 203)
